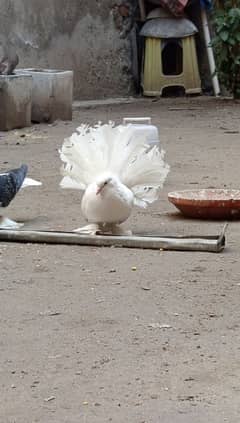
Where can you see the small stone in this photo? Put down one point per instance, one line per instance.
(159, 326)
(35, 382)
(49, 399)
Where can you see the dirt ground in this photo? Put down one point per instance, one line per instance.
(80, 338)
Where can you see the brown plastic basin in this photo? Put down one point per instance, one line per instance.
(207, 203)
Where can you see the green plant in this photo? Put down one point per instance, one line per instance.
(226, 44)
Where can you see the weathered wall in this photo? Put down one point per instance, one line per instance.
(91, 37)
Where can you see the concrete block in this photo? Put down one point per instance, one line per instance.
(15, 101)
(52, 94)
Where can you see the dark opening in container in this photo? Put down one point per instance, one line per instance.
(173, 91)
(172, 57)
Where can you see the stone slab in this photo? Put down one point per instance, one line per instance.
(15, 101)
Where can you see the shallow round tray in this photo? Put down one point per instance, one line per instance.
(207, 203)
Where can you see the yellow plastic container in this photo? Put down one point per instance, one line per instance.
(153, 78)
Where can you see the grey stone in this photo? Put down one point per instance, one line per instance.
(15, 101)
(52, 94)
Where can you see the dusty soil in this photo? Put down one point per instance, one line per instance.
(78, 341)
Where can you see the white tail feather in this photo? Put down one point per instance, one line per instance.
(29, 182)
(69, 183)
(92, 151)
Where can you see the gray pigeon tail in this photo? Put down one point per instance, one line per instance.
(10, 184)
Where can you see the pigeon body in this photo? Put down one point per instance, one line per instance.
(107, 201)
(115, 169)
(10, 183)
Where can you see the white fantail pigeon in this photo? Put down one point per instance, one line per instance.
(116, 169)
(10, 183)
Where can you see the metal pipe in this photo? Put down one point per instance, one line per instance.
(211, 60)
(191, 243)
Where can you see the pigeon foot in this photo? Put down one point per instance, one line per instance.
(116, 230)
(6, 223)
(103, 229)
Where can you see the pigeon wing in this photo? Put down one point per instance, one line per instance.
(10, 183)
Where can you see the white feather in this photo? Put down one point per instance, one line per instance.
(29, 182)
(92, 151)
(69, 183)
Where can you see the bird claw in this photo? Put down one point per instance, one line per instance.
(97, 229)
(119, 231)
(6, 223)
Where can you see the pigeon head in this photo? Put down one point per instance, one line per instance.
(106, 181)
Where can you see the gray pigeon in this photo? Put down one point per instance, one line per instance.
(10, 183)
(8, 59)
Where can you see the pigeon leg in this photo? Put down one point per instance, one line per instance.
(6, 223)
(119, 231)
(103, 229)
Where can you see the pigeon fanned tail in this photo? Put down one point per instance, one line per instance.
(29, 182)
(92, 151)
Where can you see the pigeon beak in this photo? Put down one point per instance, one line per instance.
(99, 190)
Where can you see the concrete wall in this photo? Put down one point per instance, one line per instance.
(91, 37)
